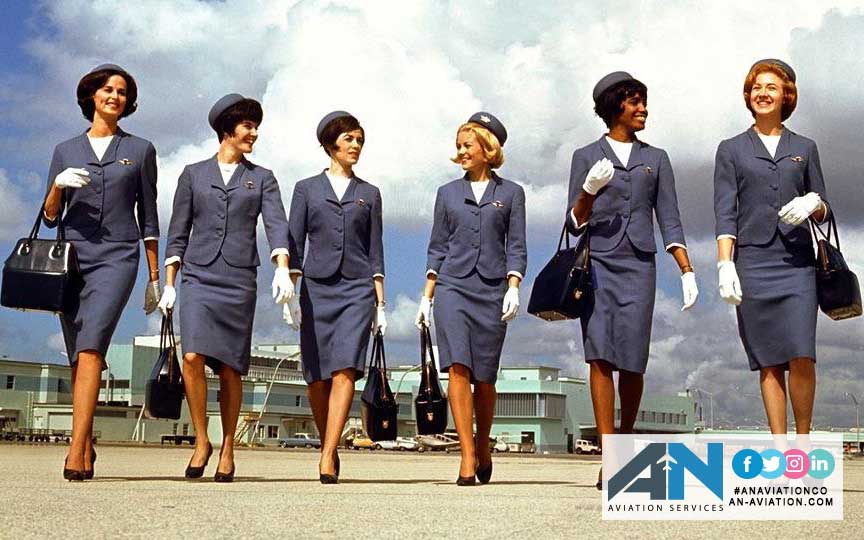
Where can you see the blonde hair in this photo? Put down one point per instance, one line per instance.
(488, 142)
(790, 91)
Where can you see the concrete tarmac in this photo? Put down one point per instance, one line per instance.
(140, 492)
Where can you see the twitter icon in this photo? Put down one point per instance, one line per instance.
(774, 463)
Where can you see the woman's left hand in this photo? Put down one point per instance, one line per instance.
(152, 295)
(380, 322)
(796, 211)
(511, 304)
(689, 289)
(283, 287)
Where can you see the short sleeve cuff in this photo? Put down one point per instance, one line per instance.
(171, 260)
(675, 244)
(148, 238)
(48, 219)
(576, 221)
(729, 236)
(377, 274)
(295, 272)
(515, 273)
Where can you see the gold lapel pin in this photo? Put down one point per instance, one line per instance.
(250, 184)
(361, 202)
(498, 204)
(125, 161)
(649, 170)
(797, 159)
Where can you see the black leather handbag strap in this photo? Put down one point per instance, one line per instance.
(832, 226)
(427, 360)
(167, 339)
(565, 239)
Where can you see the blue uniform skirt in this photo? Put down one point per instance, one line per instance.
(617, 328)
(468, 324)
(777, 317)
(108, 271)
(336, 324)
(217, 308)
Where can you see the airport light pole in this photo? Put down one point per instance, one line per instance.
(857, 423)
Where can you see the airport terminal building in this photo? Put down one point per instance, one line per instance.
(535, 405)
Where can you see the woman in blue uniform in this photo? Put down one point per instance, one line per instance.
(476, 261)
(104, 183)
(342, 291)
(767, 183)
(212, 234)
(617, 185)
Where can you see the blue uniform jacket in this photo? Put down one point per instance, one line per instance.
(488, 236)
(750, 186)
(122, 184)
(210, 217)
(627, 204)
(344, 236)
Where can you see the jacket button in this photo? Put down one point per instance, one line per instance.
(626, 196)
(474, 245)
(774, 187)
(625, 215)
(339, 229)
(97, 172)
(220, 216)
(475, 229)
(772, 167)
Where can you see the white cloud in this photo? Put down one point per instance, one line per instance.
(15, 214)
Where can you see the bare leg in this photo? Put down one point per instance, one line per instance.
(318, 393)
(630, 386)
(462, 408)
(87, 373)
(802, 391)
(603, 400)
(341, 395)
(772, 380)
(229, 409)
(195, 384)
(484, 407)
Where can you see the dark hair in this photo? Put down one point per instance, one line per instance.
(609, 104)
(236, 114)
(90, 83)
(336, 127)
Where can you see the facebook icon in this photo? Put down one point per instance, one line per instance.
(747, 463)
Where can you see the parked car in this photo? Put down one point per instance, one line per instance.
(362, 441)
(581, 446)
(300, 440)
(499, 446)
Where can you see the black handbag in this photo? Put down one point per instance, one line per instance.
(41, 275)
(430, 405)
(836, 286)
(563, 289)
(378, 407)
(163, 393)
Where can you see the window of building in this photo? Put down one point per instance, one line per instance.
(297, 401)
(652, 416)
(662, 417)
(272, 432)
(174, 429)
(185, 429)
(683, 418)
(10, 382)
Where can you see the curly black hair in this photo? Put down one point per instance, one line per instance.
(609, 104)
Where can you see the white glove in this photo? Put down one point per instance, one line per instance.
(379, 323)
(598, 176)
(689, 289)
(796, 211)
(511, 304)
(169, 296)
(730, 286)
(424, 313)
(152, 295)
(291, 312)
(72, 178)
(283, 287)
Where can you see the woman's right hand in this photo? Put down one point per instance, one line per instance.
(424, 313)
(166, 303)
(72, 178)
(598, 176)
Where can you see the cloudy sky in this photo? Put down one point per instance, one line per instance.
(411, 72)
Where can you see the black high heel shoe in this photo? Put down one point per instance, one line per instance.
(329, 478)
(484, 474)
(222, 477)
(73, 475)
(198, 472)
(88, 475)
(337, 464)
(466, 480)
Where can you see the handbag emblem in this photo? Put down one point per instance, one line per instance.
(430, 416)
(250, 184)
(648, 171)
(577, 294)
(385, 424)
(125, 161)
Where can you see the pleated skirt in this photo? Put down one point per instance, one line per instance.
(777, 316)
(468, 326)
(108, 271)
(217, 309)
(617, 328)
(336, 325)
